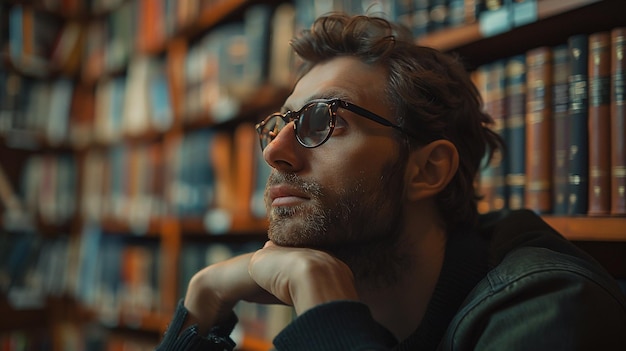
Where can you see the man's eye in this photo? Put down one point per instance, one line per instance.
(340, 122)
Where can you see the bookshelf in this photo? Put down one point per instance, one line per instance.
(128, 181)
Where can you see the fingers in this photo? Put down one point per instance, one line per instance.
(301, 277)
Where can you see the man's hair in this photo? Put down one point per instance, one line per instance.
(431, 92)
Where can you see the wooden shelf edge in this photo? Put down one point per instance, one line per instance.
(15, 319)
(449, 39)
(239, 226)
(586, 228)
(251, 343)
(549, 8)
(150, 322)
(210, 17)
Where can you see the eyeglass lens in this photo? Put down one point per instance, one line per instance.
(313, 125)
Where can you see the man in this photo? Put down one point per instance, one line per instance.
(374, 233)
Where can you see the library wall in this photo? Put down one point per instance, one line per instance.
(129, 158)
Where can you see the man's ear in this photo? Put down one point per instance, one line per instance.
(430, 169)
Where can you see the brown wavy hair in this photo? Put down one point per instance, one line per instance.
(431, 92)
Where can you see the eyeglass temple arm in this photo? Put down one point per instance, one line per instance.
(374, 117)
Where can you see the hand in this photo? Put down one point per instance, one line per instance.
(301, 277)
(213, 292)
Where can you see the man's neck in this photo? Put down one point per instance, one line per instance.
(401, 305)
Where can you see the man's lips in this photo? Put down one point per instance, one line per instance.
(285, 195)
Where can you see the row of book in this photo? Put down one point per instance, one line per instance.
(135, 91)
(118, 278)
(60, 112)
(427, 16)
(48, 190)
(216, 176)
(209, 78)
(560, 111)
(231, 62)
(69, 337)
(43, 43)
(203, 174)
(111, 274)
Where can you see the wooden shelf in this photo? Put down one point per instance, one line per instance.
(208, 18)
(451, 38)
(589, 228)
(240, 227)
(556, 20)
(150, 322)
(114, 225)
(14, 319)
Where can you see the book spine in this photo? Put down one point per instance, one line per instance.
(560, 103)
(578, 168)
(599, 68)
(497, 88)
(484, 183)
(421, 18)
(539, 130)
(618, 122)
(516, 130)
(493, 185)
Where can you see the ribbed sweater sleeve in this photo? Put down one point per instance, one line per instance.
(190, 340)
(338, 325)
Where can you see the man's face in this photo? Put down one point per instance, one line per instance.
(348, 190)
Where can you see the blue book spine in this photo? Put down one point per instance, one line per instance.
(578, 118)
(516, 130)
(560, 105)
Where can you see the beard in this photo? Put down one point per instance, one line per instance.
(359, 224)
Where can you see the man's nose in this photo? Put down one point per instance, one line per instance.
(282, 153)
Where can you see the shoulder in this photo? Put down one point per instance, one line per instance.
(537, 297)
(530, 268)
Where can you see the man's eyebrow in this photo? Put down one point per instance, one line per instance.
(325, 95)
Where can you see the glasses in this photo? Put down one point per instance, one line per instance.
(314, 123)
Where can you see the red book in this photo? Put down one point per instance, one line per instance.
(599, 128)
(538, 195)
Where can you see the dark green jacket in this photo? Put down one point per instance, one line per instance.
(516, 285)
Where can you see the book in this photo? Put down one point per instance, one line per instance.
(494, 100)
(150, 33)
(58, 114)
(257, 29)
(92, 186)
(68, 48)
(538, 192)
(110, 96)
(421, 18)
(120, 32)
(578, 113)
(618, 122)
(495, 17)
(439, 15)
(599, 71)
(281, 58)
(93, 58)
(136, 113)
(161, 114)
(515, 130)
(82, 114)
(246, 142)
(560, 106)
(484, 182)
(456, 13)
